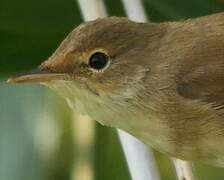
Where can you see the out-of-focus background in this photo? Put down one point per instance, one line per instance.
(40, 136)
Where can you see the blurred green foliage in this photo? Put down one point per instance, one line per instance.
(29, 32)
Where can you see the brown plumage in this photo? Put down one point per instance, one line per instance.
(161, 82)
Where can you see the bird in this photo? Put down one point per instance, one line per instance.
(161, 82)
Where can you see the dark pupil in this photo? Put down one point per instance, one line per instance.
(98, 60)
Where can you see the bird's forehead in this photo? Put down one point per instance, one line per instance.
(100, 33)
(102, 25)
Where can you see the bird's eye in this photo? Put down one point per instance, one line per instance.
(98, 60)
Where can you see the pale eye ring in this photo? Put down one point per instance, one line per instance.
(98, 60)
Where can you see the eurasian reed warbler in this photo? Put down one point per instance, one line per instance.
(161, 82)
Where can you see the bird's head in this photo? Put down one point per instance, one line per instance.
(105, 56)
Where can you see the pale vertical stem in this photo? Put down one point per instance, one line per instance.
(140, 158)
(92, 9)
(135, 10)
(184, 169)
(144, 166)
(83, 140)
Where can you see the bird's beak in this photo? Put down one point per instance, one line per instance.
(39, 74)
